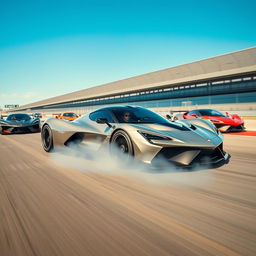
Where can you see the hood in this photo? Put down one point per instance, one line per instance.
(180, 134)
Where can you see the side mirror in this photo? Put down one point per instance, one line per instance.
(227, 114)
(103, 121)
(194, 115)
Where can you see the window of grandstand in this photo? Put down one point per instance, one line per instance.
(203, 84)
(217, 82)
(237, 80)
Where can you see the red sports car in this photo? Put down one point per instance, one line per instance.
(224, 122)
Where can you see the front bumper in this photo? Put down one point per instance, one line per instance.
(190, 156)
(20, 129)
(230, 128)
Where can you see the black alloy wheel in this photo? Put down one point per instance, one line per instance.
(122, 143)
(47, 139)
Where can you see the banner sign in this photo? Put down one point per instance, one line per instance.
(11, 106)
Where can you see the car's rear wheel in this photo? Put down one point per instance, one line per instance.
(47, 138)
(2, 131)
(122, 144)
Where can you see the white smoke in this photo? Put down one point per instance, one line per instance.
(90, 159)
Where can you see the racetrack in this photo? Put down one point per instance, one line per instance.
(48, 209)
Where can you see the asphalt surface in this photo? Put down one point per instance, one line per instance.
(48, 207)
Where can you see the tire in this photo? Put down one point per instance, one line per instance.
(47, 138)
(121, 145)
(1, 131)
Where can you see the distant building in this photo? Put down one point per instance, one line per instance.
(224, 81)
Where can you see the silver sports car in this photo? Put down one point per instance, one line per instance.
(140, 133)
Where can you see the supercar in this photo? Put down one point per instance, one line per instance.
(19, 123)
(140, 133)
(223, 122)
(69, 116)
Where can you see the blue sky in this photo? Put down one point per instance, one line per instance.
(48, 48)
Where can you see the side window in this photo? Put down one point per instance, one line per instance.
(65, 114)
(194, 112)
(101, 114)
(198, 113)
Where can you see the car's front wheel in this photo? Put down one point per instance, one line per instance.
(47, 138)
(122, 144)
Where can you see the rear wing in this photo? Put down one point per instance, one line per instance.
(178, 111)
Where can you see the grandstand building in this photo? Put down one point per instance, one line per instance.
(226, 82)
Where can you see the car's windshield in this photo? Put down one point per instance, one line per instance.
(211, 112)
(137, 115)
(70, 114)
(18, 117)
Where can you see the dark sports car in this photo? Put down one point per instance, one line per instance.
(19, 123)
(140, 133)
(224, 122)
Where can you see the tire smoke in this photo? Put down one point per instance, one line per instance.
(90, 158)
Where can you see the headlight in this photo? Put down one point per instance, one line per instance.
(216, 121)
(149, 136)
